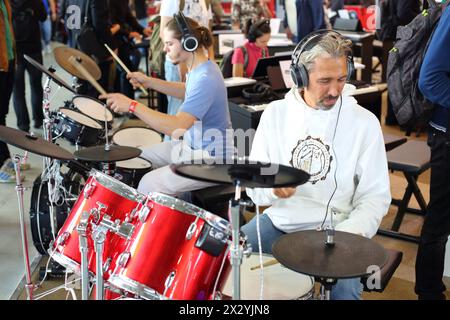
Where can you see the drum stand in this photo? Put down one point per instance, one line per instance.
(236, 208)
(99, 232)
(20, 189)
(82, 230)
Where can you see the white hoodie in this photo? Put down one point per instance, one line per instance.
(351, 152)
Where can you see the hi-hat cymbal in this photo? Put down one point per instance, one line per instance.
(115, 153)
(249, 174)
(52, 75)
(34, 144)
(62, 55)
(349, 257)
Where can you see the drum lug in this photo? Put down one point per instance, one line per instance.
(63, 238)
(169, 281)
(106, 264)
(218, 295)
(123, 259)
(143, 213)
(88, 190)
(83, 225)
(191, 230)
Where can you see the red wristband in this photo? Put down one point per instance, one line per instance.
(133, 105)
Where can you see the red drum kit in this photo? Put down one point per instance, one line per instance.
(133, 245)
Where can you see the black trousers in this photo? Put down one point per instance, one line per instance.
(436, 228)
(20, 104)
(6, 87)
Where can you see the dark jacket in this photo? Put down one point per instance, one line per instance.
(434, 78)
(26, 15)
(310, 17)
(121, 14)
(99, 16)
(3, 56)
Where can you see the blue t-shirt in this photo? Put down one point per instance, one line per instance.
(434, 77)
(206, 99)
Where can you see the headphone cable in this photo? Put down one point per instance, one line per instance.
(335, 155)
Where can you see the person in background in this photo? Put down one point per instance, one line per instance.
(217, 10)
(130, 31)
(7, 67)
(27, 14)
(140, 8)
(101, 21)
(434, 83)
(404, 12)
(258, 35)
(46, 26)
(302, 17)
(243, 10)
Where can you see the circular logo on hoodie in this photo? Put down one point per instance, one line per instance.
(313, 156)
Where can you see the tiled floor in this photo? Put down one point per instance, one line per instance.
(401, 286)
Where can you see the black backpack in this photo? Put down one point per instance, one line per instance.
(227, 67)
(404, 62)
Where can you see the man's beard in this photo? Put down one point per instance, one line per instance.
(321, 106)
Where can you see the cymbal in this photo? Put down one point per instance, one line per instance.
(62, 55)
(34, 144)
(250, 174)
(115, 153)
(49, 73)
(349, 257)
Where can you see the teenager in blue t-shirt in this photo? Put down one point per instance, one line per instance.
(203, 120)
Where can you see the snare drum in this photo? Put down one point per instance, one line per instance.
(94, 109)
(137, 137)
(280, 283)
(177, 251)
(131, 171)
(102, 197)
(77, 128)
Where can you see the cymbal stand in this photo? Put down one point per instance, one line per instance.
(328, 283)
(26, 259)
(236, 209)
(325, 288)
(47, 127)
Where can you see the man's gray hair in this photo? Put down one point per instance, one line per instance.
(330, 45)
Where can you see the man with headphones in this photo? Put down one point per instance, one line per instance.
(321, 130)
(203, 122)
(200, 11)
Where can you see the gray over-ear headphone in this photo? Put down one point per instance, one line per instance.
(188, 41)
(299, 73)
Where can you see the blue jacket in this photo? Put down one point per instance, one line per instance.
(434, 78)
(310, 17)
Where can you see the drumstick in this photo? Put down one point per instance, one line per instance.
(87, 75)
(265, 264)
(124, 67)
